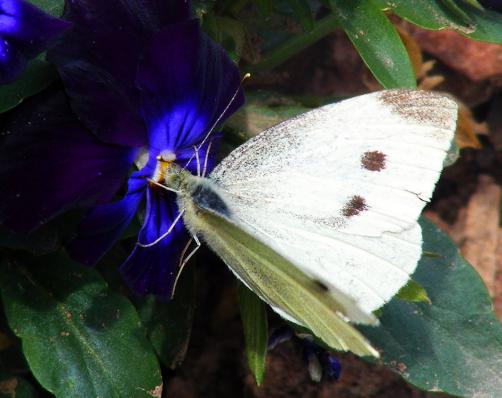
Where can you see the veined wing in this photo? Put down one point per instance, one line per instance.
(289, 291)
(337, 191)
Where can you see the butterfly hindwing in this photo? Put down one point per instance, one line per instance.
(289, 291)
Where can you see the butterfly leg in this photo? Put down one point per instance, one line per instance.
(163, 186)
(184, 260)
(169, 230)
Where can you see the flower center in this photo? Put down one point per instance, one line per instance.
(164, 159)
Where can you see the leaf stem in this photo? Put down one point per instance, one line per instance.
(295, 44)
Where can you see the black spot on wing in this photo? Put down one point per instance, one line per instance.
(354, 206)
(373, 160)
(206, 198)
(321, 285)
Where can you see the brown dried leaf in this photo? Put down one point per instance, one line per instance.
(414, 52)
(477, 233)
(481, 231)
(476, 60)
(8, 387)
(5, 342)
(465, 136)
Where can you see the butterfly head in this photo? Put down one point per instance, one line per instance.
(177, 178)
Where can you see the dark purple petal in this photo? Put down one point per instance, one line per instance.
(331, 366)
(50, 163)
(279, 336)
(98, 61)
(154, 269)
(104, 224)
(320, 362)
(187, 82)
(25, 31)
(104, 104)
(12, 62)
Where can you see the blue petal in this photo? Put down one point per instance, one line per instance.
(187, 82)
(331, 366)
(154, 269)
(12, 62)
(317, 356)
(104, 224)
(98, 61)
(25, 31)
(50, 163)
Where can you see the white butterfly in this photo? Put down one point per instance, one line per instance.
(318, 215)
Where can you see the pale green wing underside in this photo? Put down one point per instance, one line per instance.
(281, 284)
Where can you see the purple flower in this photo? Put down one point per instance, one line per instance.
(146, 84)
(25, 31)
(321, 364)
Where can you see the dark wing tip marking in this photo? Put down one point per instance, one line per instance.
(425, 107)
(373, 160)
(354, 206)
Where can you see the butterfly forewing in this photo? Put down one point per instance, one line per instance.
(337, 191)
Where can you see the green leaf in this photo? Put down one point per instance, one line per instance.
(255, 325)
(38, 76)
(482, 24)
(428, 14)
(474, 3)
(228, 32)
(169, 324)
(45, 239)
(278, 49)
(13, 386)
(459, 13)
(52, 7)
(41, 241)
(265, 7)
(79, 338)
(455, 344)
(303, 13)
(376, 40)
(413, 291)
(262, 110)
(488, 24)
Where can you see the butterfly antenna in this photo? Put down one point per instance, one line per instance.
(213, 126)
